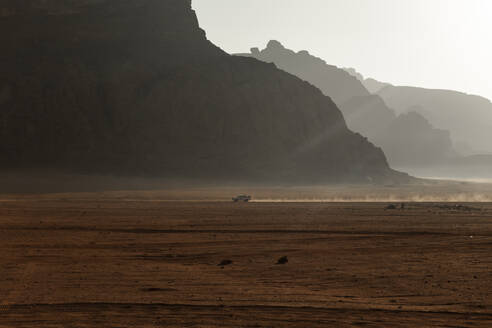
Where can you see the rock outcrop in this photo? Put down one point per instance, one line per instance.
(134, 87)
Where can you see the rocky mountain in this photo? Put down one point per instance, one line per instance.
(467, 117)
(369, 116)
(332, 81)
(134, 87)
(372, 85)
(407, 140)
(412, 141)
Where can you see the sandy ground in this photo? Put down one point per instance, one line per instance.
(83, 260)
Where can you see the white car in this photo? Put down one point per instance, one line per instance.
(242, 198)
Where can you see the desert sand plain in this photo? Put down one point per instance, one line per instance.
(153, 259)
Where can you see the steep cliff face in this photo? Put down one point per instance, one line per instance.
(134, 87)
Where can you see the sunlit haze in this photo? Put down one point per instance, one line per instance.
(443, 44)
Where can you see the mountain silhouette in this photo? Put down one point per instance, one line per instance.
(467, 117)
(407, 140)
(422, 144)
(372, 85)
(331, 80)
(134, 87)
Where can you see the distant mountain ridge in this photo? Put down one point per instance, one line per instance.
(372, 85)
(134, 87)
(406, 139)
(467, 117)
(332, 81)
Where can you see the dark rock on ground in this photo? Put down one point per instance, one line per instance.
(225, 262)
(283, 260)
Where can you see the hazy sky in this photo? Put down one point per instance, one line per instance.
(428, 43)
